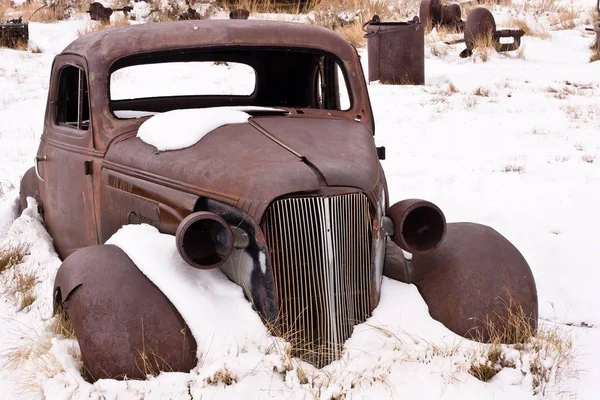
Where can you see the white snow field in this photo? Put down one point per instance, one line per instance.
(511, 140)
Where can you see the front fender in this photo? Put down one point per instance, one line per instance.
(125, 326)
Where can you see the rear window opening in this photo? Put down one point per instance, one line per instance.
(143, 85)
(196, 78)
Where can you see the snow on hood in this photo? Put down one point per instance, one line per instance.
(178, 129)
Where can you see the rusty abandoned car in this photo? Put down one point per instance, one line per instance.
(298, 190)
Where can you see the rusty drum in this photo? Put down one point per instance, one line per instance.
(396, 51)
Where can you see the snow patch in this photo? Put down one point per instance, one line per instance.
(198, 295)
(178, 129)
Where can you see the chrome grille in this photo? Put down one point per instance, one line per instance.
(320, 249)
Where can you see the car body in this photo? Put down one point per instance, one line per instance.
(292, 205)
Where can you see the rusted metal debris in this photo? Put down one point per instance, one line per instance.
(100, 13)
(596, 27)
(472, 258)
(14, 33)
(480, 28)
(396, 51)
(434, 14)
(190, 13)
(239, 13)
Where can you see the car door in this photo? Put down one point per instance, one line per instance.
(65, 159)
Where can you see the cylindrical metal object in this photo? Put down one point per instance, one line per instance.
(204, 240)
(396, 52)
(419, 225)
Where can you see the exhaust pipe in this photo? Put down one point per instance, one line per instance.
(419, 225)
(204, 240)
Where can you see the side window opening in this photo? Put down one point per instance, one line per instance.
(330, 86)
(73, 103)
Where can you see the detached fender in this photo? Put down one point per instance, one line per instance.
(125, 326)
(476, 281)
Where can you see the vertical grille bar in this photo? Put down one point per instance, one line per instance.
(321, 256)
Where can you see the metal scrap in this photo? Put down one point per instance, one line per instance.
(434, 14)
(14, 33)
(100, 13)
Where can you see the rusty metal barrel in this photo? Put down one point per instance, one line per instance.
(396, 51)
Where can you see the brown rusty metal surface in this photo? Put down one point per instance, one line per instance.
(98, 12)
(396, 51)
(317, 151)
(121, 318)
(419, 225)
(433, 13)
(239, 13)
(14, 33)
(472, 279)
(481, 27)
(101, 49)
(204, 240)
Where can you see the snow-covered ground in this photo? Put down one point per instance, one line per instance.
(513, 142)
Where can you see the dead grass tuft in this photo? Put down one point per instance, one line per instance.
(540, 6)
(513, 168)
(222, 376)
(62, 325)
(482, 92)
(12, 255)
(20, 289)
(438, 50)
(589, 158)
(353, 33)
(546, 354)
(534, 31)
(57, 11)
(564, 18)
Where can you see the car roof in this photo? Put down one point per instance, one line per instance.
(102, 48)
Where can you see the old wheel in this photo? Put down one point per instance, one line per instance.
(480, 28)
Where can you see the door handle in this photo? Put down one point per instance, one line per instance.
(36, 160)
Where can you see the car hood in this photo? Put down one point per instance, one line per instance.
(248, 165)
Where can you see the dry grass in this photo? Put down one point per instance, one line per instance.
(95, 26)
(547, 354)
(222, 376)
(269, 6)
(530, 30)
(564, 18)
(12, 255)
(438, 50)
(513, 168)
(348, 16)
(62, 325)
(470, 102)
(482, 92)
(540, 6)
(58, 11)
(20, 289)
(353, 33)
(36, 363)
(589, 158)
